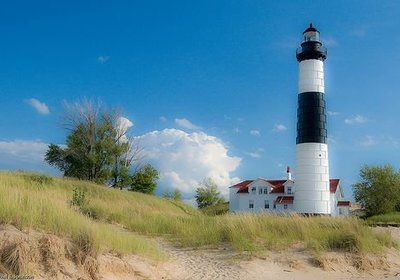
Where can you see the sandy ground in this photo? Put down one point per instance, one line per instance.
(50, 257)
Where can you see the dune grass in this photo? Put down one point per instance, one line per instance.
(389, 218)
(31, 200)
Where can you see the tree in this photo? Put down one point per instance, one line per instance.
(378, 192)
(145, 180)
(97, 147)
(173, 195)
(207, 194)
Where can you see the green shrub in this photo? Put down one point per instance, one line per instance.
(78, 198)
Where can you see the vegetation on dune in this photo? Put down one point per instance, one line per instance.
(207, 194)
(28, 202)
(392, 218)
(99, 149)
(378, 191)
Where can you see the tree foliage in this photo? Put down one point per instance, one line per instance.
(97, 147)
(207, 194)
(378, 191)
(145, 180)
(173, 195)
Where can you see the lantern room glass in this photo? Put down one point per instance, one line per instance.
(311, 36)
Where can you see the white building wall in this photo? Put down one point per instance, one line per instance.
(242, 200)
(233, 199)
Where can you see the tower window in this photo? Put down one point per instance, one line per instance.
(289, 190)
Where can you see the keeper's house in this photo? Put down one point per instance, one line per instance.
(278, 196)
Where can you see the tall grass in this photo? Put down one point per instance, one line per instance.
(389, 218)
(28, 203)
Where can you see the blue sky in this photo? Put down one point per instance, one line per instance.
(210, 86)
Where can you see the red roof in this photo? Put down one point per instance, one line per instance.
(242, 184)
(343, 203)
(277, 186)
(284, 200)
(334, 183)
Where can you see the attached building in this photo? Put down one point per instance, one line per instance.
(278, 196)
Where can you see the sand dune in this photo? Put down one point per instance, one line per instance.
(46, 256)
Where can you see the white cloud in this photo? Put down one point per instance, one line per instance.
(185, 159)
(368, 141)
(40, 107)
(333, 113)
(255, 132)
(329, 41)
(123, 124)
(279, 128)
(163, 119)
(254, 154)
(185, 123)
(356, 120)
(103, 59)
(23, 150)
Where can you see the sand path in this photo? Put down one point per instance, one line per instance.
(224, 263)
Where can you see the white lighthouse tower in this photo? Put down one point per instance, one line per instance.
(312, 167)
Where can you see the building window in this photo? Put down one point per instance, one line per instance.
(265, 190)
(274, 206)
(284, 206)
(341, 212)
(253, 190)
(251, 204)
(289, 190)
(266, 204)
(260, 191)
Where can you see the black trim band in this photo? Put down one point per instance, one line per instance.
(311, 118)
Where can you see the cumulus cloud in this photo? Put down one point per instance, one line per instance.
(356, 120)
(40, 107)
(23, 150)
(279, 128)
(185, 123)
(255, 132)
(123, 124)
(185, 159)
(103, 59)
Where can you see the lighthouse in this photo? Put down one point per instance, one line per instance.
(312, 166)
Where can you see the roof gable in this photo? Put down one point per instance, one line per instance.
(276, 185)
(288, 199)
(333, 185)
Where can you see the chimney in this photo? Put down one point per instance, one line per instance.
(289, 175)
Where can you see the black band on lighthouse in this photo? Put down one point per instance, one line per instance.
(311, 118)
